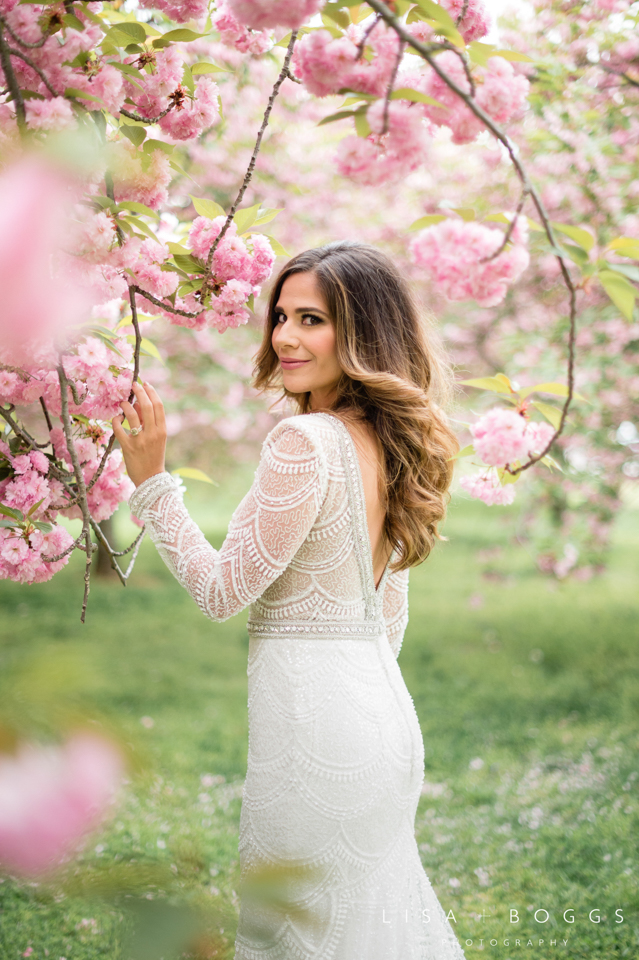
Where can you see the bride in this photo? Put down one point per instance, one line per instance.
(347, 497)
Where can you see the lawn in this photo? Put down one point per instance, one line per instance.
(528, 695)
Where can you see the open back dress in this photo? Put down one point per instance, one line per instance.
(329, 863)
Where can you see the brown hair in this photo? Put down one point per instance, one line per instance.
(394, 378)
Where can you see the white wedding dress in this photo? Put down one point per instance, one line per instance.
(336, 756)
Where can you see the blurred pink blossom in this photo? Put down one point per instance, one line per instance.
(500, 436)
(486, 486)
(264, 14)
(51, 796)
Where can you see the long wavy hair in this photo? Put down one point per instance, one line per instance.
(394, 377)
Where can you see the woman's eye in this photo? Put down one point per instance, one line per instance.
(310, 320)
(280, 318)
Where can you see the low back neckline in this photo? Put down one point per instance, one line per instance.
(373, 595)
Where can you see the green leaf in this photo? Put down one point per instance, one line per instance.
(137, 208)
(464, 452)
(42, 526)
(203, 67)
(122, 33)
(513, 55)
(506, 477)
(340, 115)
(187, 79)
(140, 225)
(192, 473)
(497, 218)
(33, 509)
(626, 246)
(498, 384)
(556, 389)
(581, 237)
(626, 270)
(181, 35)
(466, 213)
(415, 96)
(10, 512)
(71, 21)
(128, 68)
(73, 92)
(207, 208)
(533, 225)
(444, 24)
(577, 254)
(277, 247)
(9, 524)
(552, 414)
(552, 463)
(621, 292)
(427, 221)
(362, 126)
(266, 216)
(189, 263)
(246, 217)
(146, 347)
(480, 53)
(177, 248)
(137, 135)
(339, 16)
(151, 145)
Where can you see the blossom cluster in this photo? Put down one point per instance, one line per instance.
(51, 797)
(465, 261)
(265, 14)
(503, 438)
(34, 482)
(237, 35)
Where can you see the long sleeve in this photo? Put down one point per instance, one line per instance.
(395, 608)
(266, 530)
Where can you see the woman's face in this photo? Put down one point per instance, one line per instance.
(304, 340)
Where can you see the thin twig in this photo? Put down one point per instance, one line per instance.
(23, 43)
(79, 480)
(34, 66)
(61, 556)
(165, 306)
(46, 414)
(362, 43)
(509, 231)
(21, 432)
(383, 10)
(141, 119)
(391, 83)
(619, 73)
(12, 83)
(463, 12)
(249, 172)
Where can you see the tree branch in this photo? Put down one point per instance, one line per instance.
(12, 83)
(387, 15)
(34, 66)
(141, 119)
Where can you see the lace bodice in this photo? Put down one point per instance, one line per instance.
(293, 551)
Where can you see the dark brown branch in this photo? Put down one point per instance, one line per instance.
(164, 306)
(20, 432)
(61, 556)
(140, 119)
(384, 11)
(12, 83)
(464, 11)
(46, 414)
(258, 143)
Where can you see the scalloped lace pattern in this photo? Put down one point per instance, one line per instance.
(336, 756)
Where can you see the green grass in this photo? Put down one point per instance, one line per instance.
(528, 695)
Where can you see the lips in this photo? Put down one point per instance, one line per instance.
(289, 363)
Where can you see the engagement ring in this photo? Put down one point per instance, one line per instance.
(135, 430)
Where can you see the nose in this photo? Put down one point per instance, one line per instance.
(285, 335)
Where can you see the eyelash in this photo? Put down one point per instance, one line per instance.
(279, 316)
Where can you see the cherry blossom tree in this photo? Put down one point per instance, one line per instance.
(417, 86)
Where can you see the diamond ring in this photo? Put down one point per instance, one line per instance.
(135, 430)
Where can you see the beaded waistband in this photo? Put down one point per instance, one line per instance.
(317, 630)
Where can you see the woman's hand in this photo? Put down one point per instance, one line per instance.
(143, 448)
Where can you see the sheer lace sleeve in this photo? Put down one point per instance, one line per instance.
(265, 532)
(396, 608)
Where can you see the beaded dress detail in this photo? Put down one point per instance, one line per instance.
(336, 756)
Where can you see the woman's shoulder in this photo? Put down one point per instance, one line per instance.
(309, 431)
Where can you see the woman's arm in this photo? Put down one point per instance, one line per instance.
(265, 533)
(395, 608)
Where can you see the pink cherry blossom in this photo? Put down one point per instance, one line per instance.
(476, 22)
(455, 254)
(51, 797)
(132, 182)
(265, 14)
(389, 156)
(235, 34)
(195, 114)
(54, 114)
(324, 64)
(486, 487)
(538, 435)
(500, 437)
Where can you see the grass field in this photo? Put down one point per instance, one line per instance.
(528, 695)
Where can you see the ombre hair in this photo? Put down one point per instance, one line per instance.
(394, 377)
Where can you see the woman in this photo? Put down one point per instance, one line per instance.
(347, 496)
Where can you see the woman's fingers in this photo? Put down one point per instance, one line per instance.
(131, 414)
(158, 408)
(147, 414)
(118, 429)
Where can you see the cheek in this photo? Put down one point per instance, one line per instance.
(325, 344)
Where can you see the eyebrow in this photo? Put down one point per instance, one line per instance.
(303, 310)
